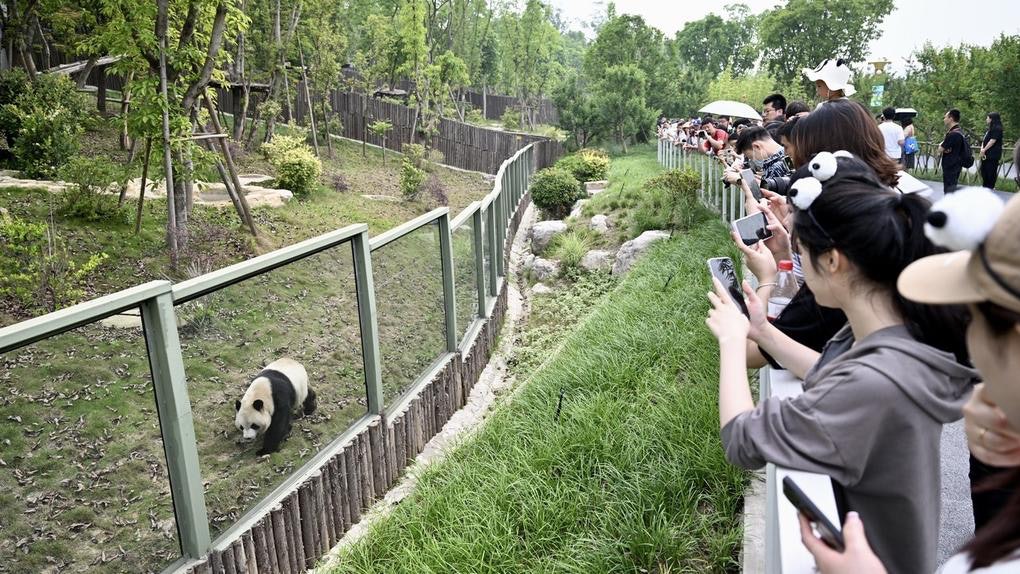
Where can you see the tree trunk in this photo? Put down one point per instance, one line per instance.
(485, 101)
(83, 76)
(325, 119)
(141, 189)
(172, 229)
(308, 103)
(45, 45)
(125, 108)
(240, 202)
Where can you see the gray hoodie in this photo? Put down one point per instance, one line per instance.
(871, 418)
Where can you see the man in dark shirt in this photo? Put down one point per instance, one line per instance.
(953, 150)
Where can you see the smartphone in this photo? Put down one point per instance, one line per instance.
(831, 535)
(789, 163)
(753, 228)
(752, 184)
(722, 269)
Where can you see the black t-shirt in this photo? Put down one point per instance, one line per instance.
(994, 152)
(807, 322)
(954, 145)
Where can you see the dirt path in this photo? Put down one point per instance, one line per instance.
(494, 385)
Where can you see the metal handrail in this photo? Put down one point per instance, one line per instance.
(380, 241)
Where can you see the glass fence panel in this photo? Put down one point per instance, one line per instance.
(84, 484)
(306, 311)
(487, 251)
(408, 277)
(465, 277)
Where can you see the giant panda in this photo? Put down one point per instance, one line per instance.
(267, 404)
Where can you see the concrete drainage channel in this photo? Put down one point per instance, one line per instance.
(494, 384)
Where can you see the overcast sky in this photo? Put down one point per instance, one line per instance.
(912, 23)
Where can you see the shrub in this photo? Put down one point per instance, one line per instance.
(434, 189)
(474, 116)
(570, 248)
(297, 168)
(340, 183)
(555, 190)
(36, 270)
(587, 165)
(41, 122)
(417, 154)
(511, 119)
(411, 179)
(676, 191)
(87, 195)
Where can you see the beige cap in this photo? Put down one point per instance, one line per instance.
(989, 273)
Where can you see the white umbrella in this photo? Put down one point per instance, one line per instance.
(731, 108)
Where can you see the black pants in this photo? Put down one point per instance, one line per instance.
(989, 172)
(951, 179)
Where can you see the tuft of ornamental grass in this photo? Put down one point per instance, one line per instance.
(630, 477)
(569, 248)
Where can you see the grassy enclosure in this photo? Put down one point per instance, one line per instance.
(85, 485)
(629, 477)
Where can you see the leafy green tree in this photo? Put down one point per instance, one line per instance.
(748, 88)
(625, 40)
(577, 111)
(620, 101)
(804, 32)
(715, 44)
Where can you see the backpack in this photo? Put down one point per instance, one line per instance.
(967, 161)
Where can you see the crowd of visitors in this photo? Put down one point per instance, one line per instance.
(907, 317)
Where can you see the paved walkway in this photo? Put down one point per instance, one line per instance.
(937, 188)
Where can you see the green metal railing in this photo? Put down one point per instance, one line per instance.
(726, 200)
(490, 219)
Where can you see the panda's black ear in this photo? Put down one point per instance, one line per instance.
(257, 405)
(237, 405)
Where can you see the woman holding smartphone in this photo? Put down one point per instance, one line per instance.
(876, 398)
(988, 279)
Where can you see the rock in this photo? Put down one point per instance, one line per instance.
(543, 269)
(596, 259)
(390, 198)
(541, 289)
(600, 224)
(633, 249)
(529, 261)
(578, 206)
(595, 187)
(543, 232)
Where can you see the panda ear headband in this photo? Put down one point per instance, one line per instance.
(806, 189)
(962, 221)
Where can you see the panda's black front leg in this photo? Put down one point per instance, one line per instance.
(278, 430)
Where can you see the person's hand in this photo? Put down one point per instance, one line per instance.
(779, 244)
(989, 436)
(982, 154)
(757, 313)
(777, 203)
(758, 258)
(731, 176)
(725, 319)
(858, 556)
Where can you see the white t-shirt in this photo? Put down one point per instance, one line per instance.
(960, 564)
(893, 135)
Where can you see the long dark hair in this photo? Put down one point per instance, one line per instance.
(880, 231)
(843, 125)
(1001, 536)
(996, 120)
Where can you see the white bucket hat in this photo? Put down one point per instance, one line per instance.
(835, 73)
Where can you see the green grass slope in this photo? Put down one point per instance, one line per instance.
(630, 478)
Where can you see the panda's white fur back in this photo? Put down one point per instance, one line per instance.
(294, 371)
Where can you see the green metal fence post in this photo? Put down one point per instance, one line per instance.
(476, 224)
(369, 323)
(490, 230)
(159, 325)
(500, 228)
(449, 295)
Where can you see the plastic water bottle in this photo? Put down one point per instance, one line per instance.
(786, 287)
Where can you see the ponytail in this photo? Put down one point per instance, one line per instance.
(880, 231)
